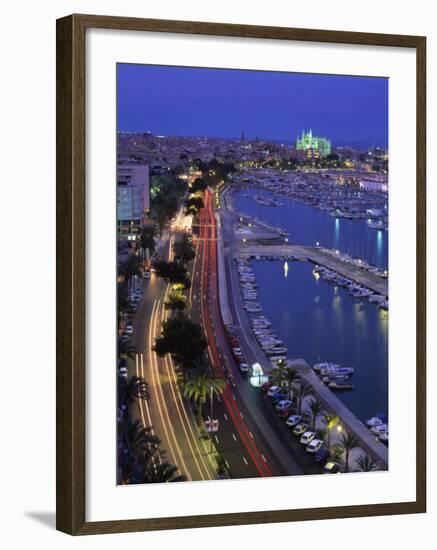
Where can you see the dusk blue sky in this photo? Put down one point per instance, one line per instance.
(271, 105)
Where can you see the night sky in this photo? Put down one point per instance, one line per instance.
(270, 105)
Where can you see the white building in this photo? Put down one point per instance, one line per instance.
(133, 198)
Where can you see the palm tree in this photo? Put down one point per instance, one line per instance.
(330, 420)
(302, 390)
(200, 385)
(291, 377)
(279, 374)
(130, 268)
(348, 442)
(316, 409)
(366, 464)
(135, 442)
(132, 391)
(147, 239)
(183, 249)
(163, 472)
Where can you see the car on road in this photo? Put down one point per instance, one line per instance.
(322, 455)
(293, 420)
(314, 446)
(237, 351)
(146, 275)
(244, 367)
(283, 405)
(307, 437)
(331, 468)
(129, 329)
(300, 429)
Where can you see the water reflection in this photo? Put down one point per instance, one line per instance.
(318, 322)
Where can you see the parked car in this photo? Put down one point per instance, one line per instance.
(146, 275)
(314, 446)
(237, 351)
(283, 404)
(285, 413)
(331, 468)
(300, 429)
(273, 390)
(280, 396)
(293, 420)
(307, 437)
(244, 367)
(266, 386)
(322, 455)
(129, 329)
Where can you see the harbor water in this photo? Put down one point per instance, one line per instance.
(308, 226)
(317, 320)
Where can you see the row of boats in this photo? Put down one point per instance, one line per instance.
(267, 339)
(335, 376)
(357, 262)
(378, 425)
(266, 201)
(355, 289)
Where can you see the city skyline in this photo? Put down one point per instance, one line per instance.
(198, 102)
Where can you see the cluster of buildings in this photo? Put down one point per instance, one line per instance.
(143, 155)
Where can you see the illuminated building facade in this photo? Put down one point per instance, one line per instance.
(318, 146)
(132, 198)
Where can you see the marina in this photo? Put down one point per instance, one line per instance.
(305, 225)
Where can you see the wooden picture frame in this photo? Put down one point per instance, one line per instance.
(71, 247)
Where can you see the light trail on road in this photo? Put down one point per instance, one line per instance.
(209, 287)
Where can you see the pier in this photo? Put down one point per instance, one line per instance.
(253, 250)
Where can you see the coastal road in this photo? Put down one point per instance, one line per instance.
(274, 445)
(166, 411)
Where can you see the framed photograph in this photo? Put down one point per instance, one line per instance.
(240, 274)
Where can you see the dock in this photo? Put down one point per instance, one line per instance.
(317, 256)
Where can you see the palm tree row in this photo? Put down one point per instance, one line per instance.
(348, 441)
(139, 456)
